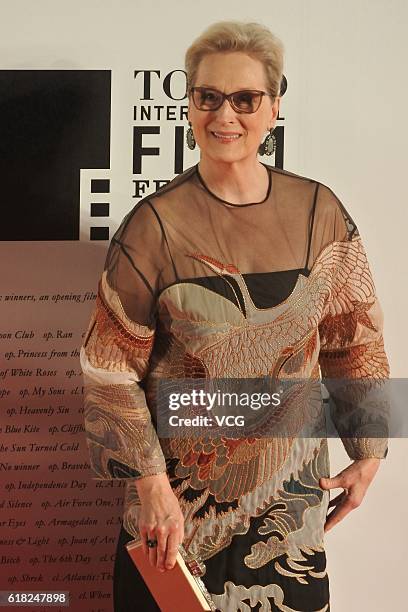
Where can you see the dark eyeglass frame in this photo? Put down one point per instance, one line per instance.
(230, 98)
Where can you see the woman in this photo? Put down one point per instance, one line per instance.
(235, 269)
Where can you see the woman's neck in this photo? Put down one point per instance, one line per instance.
(238, 182)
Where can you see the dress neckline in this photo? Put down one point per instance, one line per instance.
(200, 178)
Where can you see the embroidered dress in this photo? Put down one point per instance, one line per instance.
(197, 287)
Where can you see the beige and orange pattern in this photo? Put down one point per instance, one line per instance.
(263, 489)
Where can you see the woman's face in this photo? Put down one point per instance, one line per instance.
(230, 72)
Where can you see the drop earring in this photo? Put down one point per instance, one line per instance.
(268, 146)
(191, 141)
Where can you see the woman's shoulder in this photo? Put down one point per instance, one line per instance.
(289, 174)
(288, 177)
(326, 206)
(299, 184)
(147, 210)
(179, 180)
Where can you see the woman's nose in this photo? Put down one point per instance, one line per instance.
(226, 111)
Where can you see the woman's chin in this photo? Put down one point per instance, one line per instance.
(224, 155)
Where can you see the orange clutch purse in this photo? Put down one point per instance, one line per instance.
(180, 588)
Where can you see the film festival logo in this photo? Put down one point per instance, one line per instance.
(55, 148)
(54, 123)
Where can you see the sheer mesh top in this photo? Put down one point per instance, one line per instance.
(269, 242)
(197, 287)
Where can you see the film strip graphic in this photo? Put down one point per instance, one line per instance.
(95, 204)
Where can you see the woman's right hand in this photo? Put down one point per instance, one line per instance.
(160, 519)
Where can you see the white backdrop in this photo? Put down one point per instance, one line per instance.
(345, 125)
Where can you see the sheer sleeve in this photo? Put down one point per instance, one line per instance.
(115, 354)
(352, 358)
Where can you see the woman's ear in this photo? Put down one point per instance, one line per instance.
(188, 110)
(276, 106)
(275, 112)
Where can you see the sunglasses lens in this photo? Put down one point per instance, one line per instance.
(207, 99)
(246, 101)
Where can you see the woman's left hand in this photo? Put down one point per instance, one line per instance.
(355, 479)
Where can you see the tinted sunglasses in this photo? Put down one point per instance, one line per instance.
(243, 101)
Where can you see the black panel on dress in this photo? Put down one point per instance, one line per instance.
(267, 289)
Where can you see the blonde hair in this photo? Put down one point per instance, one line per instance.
(254, 39)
